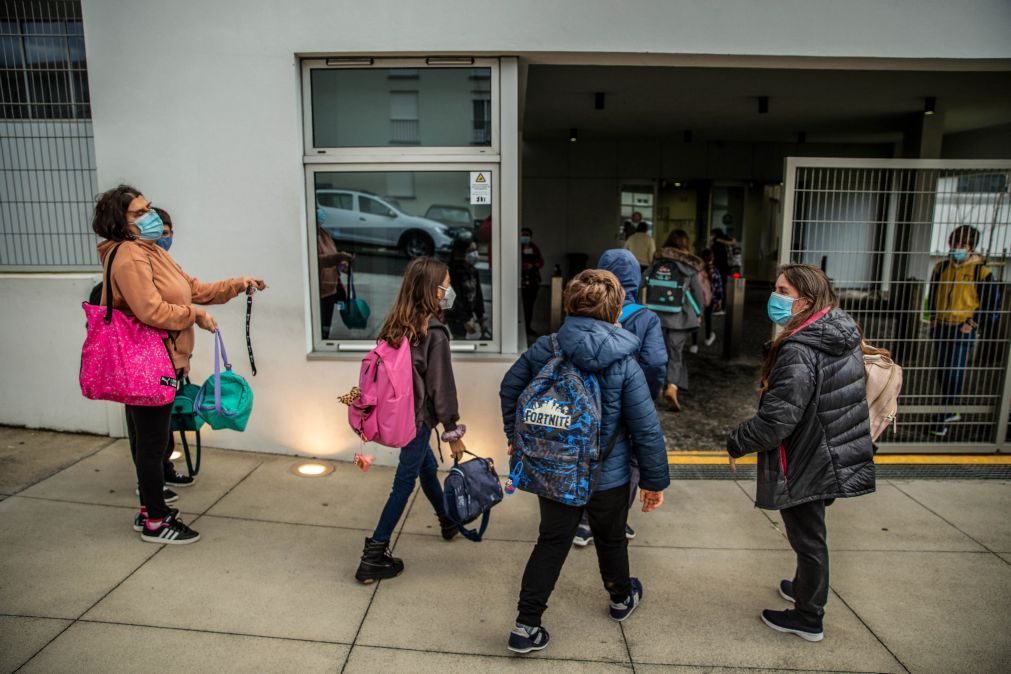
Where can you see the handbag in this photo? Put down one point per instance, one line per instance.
(225, 400)
(185, 418)
(355, 313)
(470, 491)
(124, 360)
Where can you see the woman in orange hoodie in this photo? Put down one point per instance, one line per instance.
(149, 285)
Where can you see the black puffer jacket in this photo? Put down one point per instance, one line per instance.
(812, 431)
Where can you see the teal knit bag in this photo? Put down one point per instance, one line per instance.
(225, 401)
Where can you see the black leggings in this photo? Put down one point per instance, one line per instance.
(150, 434)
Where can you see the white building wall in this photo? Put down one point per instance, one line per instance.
(198, 104)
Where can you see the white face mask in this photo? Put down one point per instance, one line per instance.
(447, 300)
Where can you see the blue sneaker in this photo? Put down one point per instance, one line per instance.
(525, 639)
(583, 537)
(621, 611)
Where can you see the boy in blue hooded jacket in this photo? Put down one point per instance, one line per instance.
(594, 342)
(652, 354)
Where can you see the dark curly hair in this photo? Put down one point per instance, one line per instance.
(109, 220)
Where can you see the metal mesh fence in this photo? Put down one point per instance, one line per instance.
(918, 252)
(47, 157)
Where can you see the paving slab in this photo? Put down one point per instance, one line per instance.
(109, 478)
(254, 578)
(27, 456)
(346, 498)
(460, 597)
(60, 558)
(685, 669)
(706, 514)
(938, 612)
(102, 648)
(24, 637)
(1005, 556)
(368, 660)
(691, 596)
(980, 508)
(890, 520)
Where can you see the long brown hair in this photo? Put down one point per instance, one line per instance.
(814, 286)
(417, 301)
(679, 240)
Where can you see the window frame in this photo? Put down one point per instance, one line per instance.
(398, 153)
(345, 346)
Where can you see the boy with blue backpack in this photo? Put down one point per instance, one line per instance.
(652, 354)
(576, 408)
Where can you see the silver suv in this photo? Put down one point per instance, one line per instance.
(360, 217)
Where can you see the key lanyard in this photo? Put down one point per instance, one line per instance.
(250, 289)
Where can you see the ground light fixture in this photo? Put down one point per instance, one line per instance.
(311, 468)
(929, 105)
(573, 135)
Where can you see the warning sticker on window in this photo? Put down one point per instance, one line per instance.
(480, 187)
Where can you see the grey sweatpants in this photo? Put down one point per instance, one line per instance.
(677, 344)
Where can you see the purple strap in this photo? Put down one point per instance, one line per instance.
(219, 355)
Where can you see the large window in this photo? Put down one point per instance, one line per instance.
(393, 109)
(365, 237)
(401, 161)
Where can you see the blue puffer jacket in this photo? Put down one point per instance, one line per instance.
(645, 324)
(603, 349)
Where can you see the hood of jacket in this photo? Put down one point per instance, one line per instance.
(622, 263)
(835, 334)
(594, 345)
(689, 262)
(106, 245)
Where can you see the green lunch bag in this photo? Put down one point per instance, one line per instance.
(355, 313)
(185, 418)
(226, 399)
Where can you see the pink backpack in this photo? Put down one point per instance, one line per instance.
(384, 410)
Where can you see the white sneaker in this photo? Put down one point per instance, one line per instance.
(710, 339)
(694, 348)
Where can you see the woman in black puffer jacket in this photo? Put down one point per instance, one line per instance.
(811, 433)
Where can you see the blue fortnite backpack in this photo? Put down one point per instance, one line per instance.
(556, 442)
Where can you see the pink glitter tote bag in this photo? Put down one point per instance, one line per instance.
(123, 360)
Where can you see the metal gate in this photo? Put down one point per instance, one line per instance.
(882, 230)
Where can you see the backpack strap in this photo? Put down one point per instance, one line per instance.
(250, 289)
(629, 310)
(108, 283)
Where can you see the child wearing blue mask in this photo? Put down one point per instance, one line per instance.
(811, 434)
(963, 300)
(167, 229)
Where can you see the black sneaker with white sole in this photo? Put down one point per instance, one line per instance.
(789, 621)
(170, 496)
(622, 610)
(786, 591)
(140, 518)
(178, 480)
(172, 531)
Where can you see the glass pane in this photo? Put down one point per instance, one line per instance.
(77, 57)
(356, 216)
(50, 95)
(382, 107)
(46, 52)
(44, 27)
(13, 95)
(10, 52)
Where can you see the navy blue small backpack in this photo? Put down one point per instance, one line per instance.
(470, 491)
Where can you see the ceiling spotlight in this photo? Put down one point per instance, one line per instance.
(801, 138)
(688, 135)
(763, 105)
(929, 105)
(573, 135)
(598, 100)
(311, 469)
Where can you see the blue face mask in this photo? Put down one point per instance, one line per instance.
(320, 216)
(150, 226)
(524, 240)
(959, 254)
(780, 308)
(165, 242)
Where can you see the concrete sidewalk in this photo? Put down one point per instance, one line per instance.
(921, 577)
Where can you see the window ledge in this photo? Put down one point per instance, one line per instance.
(463, 357)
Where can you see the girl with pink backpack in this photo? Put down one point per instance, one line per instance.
(415, 321)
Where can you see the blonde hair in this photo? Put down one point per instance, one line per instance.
(595, 293)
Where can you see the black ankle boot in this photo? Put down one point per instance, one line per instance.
(448, 527)
(377, 562)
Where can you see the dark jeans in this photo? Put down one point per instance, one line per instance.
(677, 344)
(952, 349)
(805, 527)
(633, 492)
(529, 300)
(608, 512)
(326, 308)
(168, 467)
(416, 460)
(150, 435)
